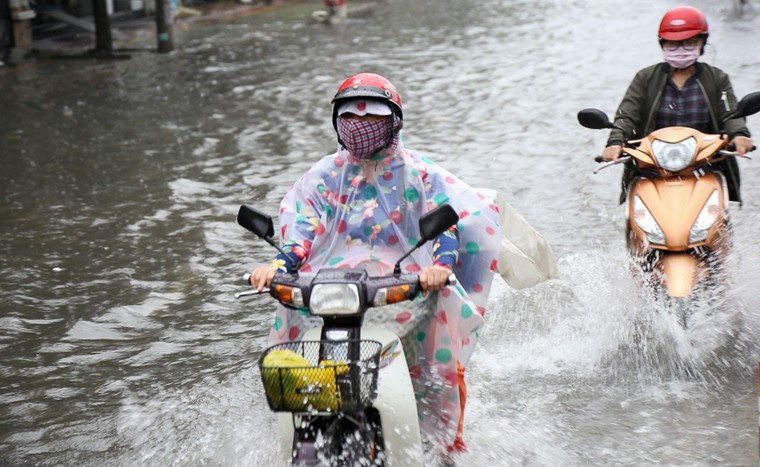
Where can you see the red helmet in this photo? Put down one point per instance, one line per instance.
(368, 86)
(682, 23)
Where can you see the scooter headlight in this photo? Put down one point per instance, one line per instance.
(334, 299)
(706, 219)
(674, 156)
(646, 222)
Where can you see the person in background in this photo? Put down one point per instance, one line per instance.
(361, 207)
(336, 8)
(681, 91)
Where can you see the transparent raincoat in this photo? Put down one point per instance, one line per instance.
(345, 213)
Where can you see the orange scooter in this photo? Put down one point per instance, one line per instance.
(678, 224)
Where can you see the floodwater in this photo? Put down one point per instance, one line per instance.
(121, 343)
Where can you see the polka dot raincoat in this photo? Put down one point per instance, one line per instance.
(347, 213)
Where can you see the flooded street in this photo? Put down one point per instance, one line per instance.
(121, 343)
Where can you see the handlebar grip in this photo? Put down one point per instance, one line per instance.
(598, 159)
(247, 278)
(732, 148)
(452, 280)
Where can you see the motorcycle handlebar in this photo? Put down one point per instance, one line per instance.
(247, 293)
(450, 281)
(732, 147)
(730, 151)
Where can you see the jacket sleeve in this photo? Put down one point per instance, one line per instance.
(631, 112)
(299, 221)
(446, 248)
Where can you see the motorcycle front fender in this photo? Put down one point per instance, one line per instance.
(680, 272)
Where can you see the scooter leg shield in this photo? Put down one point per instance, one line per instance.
(681, 272)
(397, 405)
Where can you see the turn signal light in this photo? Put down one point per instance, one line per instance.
(287, 294)
(394, 294)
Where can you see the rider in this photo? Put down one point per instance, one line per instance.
(680, 92)
(361, 206)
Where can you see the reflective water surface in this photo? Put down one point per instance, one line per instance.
(120, 338)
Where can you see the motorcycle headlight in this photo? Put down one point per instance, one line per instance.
(334, 299)
(674, 156)
(706, 219)
(646, 222)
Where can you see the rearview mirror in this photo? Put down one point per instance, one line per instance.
(749, 105)
(260, 224)
(594, 119)
(436, 222)
(256, 221)
(432, 224)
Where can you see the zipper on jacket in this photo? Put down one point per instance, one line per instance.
(724, 98)
(650, 119)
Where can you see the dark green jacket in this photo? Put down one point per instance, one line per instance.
(637, 112)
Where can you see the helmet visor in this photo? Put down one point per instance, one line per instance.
(363, 107)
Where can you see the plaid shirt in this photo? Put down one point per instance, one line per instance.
(687, 107)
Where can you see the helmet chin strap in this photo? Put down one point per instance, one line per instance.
(398, 123)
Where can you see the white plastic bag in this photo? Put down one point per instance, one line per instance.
(525, 258)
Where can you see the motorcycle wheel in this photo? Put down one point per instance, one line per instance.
(359, 442)
(345, 440)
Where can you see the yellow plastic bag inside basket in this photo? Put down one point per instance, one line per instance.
(293, 384)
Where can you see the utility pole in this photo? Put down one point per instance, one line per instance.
(19, 20)
(164, 26)
(103, 39)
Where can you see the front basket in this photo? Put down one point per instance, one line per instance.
(320, 376)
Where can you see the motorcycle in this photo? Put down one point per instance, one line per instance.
(678, 226)
(343, 394)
